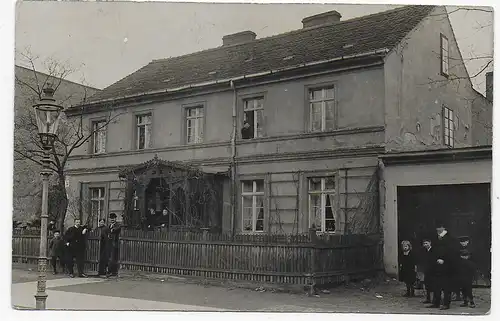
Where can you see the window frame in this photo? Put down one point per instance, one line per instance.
(254, 194)
(308, 112)
(102, 198)
(444, 58)
(186, 109)
(255, 118)
(323, 192)
(147, 144)
(95, 134)
(240, 114)
(448, 123)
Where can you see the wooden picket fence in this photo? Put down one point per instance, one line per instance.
(306, 259)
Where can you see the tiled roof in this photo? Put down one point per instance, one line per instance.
(350, 37)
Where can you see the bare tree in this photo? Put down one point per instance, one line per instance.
(73, 132)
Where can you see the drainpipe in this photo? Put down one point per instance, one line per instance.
(233, 162)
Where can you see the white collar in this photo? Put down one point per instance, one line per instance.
(443, 234)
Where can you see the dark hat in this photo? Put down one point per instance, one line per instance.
(426, 239)
(112, 215)
(463, 239)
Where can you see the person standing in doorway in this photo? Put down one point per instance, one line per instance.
(466, 273)
(445, 266)
(104, 245)
(75, 238)
(114, 245)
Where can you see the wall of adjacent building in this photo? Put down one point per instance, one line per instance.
(416, 91)
(26, 178)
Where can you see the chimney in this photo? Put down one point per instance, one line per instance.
(321, 19)
(239, 37)
(489, 86)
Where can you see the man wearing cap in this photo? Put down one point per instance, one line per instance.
(446, 258)
(114, 243)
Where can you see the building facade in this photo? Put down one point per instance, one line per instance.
(291, 125)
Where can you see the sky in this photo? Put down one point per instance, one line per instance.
(106, 41)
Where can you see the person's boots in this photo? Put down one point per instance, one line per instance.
(427, 297)
(472, 304)
(463, 305)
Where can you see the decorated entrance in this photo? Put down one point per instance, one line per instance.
(172, 195)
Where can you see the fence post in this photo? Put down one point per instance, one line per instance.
(313, 238)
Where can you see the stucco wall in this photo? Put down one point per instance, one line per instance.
(425, 174)
(415, 90)
(285, 113)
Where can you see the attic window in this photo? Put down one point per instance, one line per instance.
(288, 58)
(445, 58)
(249, 59)
(212, 72)
(348, 46)
(168, 80)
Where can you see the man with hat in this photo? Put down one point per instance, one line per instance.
(114, 244)
(446, 258)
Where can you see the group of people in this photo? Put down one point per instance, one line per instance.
(71, 247)
(447, 268)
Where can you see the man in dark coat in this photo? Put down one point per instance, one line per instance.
(467, 270)
(446, 258)
(114, 239)
(104, 245)
(75, 238)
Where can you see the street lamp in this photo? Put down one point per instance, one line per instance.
(47, 118)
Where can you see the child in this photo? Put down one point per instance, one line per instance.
(427, 264)
(466, 270)
(407, 268)
(56, 248)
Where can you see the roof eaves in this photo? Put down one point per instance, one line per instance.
(382, 51)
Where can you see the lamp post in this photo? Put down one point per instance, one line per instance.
(47, 114)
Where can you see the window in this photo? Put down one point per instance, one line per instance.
(253, 114)
(143, 139)
(252, 200)
(322, 109)
(445, 58)
(96, 204)
(448, 127)
(321, 203)
(194, 125)
(99, 137)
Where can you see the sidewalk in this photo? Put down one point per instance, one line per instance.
(128, 293)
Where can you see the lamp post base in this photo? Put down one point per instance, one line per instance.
(41, 294)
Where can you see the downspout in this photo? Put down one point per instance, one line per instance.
(233, 162)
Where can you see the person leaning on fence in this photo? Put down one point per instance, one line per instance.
(103, 247)
(407, 268)
(75, 238)
(56, 251)
(114, 245)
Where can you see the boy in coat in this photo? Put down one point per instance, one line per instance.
(427, 264)
(56, 251)
(466, 273)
